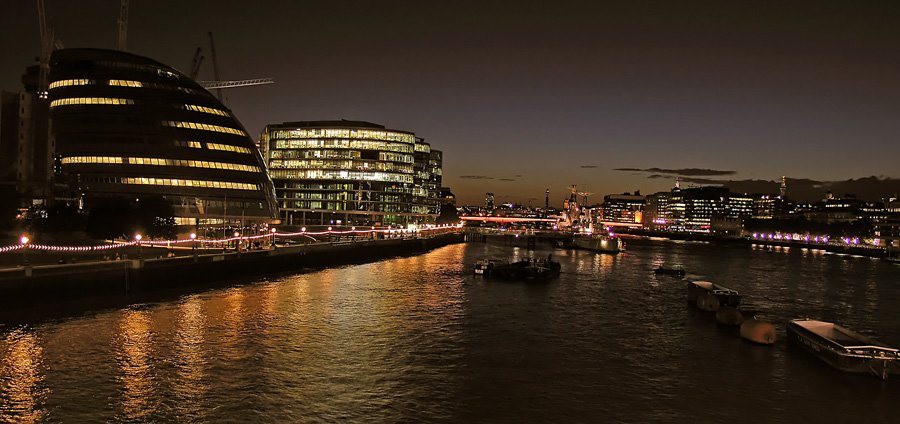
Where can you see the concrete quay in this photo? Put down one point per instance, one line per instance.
(29, 286)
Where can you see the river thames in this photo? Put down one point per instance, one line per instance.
(420, 339)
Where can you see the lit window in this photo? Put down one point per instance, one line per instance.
(90, 101)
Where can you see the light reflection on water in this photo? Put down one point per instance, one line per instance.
(22, 392)
(420, 339)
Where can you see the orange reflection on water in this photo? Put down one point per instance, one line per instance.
(190, 358)
(133, 357)
(21, 377)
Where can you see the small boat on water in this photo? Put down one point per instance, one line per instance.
(526, 269)
(599, 243)
(843, 348)
(484, 267)
(710, 296)
(669, 271)
(542, 269)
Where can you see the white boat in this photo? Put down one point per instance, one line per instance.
(599, 243)
(843, 348)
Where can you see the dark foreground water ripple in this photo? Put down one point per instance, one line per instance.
(419, 339)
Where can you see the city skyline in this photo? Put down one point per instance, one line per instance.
(609, 98)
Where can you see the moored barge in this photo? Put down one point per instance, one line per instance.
(843, 348)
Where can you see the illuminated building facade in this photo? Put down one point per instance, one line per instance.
(351, 173)
(698, 209)
(623, 208)
(125, 125)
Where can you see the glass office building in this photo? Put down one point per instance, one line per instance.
(351, 173)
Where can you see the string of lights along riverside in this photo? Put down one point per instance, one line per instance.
(421, 339)
(126, 125)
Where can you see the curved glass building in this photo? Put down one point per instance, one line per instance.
(351, 173)
(126, 125)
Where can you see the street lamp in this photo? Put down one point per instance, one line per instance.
(237, 242)
(137, 239)
(194, 243)
(25, 241)
(273, 238)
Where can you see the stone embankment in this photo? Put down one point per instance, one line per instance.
(27, 286)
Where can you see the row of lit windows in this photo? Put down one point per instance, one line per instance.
(342, 175)
(90, 101)
(68, 82)
(293, 154)
(203, 127)
(395, 157)
(143, 84)
(316, 205)
(174, 182)
(343, 144)
(205, 109)
(158, 162)
(423, 148)
(346, 133)
(193, 164)
(126, 83)
(92, 159)
(306, 195)
(213, 146)
(187, 143)
(228, 148)
(313, 186)
(340, 164)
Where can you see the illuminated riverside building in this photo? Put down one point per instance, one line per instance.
(125, 125)
(699, 209)
(351, 173)
(623, 208)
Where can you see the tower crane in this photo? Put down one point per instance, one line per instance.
(123, 24)
(46, 48)
(195, 64)
(218, 84)
(212, 51)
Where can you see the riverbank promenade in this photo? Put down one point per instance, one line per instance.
(40, 277)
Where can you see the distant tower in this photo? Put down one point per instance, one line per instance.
(783, 189)
(547, 200)
(677, 183)
(489, 201)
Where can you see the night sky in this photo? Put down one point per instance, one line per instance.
(523, 96)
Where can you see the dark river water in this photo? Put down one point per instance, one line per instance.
(420, 339)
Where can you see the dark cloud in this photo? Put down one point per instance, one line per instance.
(589, 166)
(804, 190)
(682, 172)
(506, 179)
(867, 188)
(475, 177)
(688, 180)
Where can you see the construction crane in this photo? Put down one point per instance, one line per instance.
(219, 85)
(123, 24)
(212, 51)
(46, 48)
(195, 64)
(584, 197)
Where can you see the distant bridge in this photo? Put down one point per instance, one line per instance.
(505, 219)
